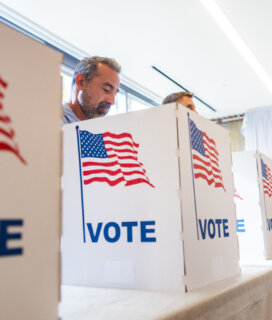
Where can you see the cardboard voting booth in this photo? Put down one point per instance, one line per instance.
(253, 198)
(30, 160)
(148, 202)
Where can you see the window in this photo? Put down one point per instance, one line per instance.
(66, 86)
(134, 103)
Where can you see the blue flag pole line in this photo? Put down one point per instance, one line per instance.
(193, 178)
(81, 186)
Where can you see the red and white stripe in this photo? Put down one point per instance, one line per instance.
(267, 184)
(237, 195)
(7, 134)
(207, 167)
(122, 164)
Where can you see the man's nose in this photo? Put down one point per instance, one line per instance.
(111, 98)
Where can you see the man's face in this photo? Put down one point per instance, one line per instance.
(96, 96)
(187, 102)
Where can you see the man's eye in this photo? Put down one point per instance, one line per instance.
(106, 90)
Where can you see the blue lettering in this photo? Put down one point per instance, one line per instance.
(218, 222)
(225, 228)
(116, 227)
(94, 236)
(5, 236)
(112, 231)
(129, 225)
(211, 233)
(269, 224)
(144, 231)
(209, 227)
(203, 230)
(240, 225)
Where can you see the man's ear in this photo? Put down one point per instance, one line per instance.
(79, 81)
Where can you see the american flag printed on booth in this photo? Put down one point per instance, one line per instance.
(205, 157)
(111, 158)
(7, 133)
(237, 195)
(267, 179)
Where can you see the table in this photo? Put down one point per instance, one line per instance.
(244, 297)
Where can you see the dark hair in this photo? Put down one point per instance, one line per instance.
(88, 67)
(174, 97)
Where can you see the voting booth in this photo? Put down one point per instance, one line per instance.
(30, 160)
(253, 198)
(148, 202)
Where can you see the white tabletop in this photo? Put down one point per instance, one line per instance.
(247, 296)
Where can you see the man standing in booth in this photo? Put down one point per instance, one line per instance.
(94, 86)
(183, 97)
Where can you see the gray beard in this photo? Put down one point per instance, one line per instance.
(93, 112)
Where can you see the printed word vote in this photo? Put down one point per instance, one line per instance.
(241, 225)
(269, 224)
(112, 231)
(6, 237)
(209, 228)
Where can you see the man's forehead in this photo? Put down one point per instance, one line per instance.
(103, 68)
(186, 98)
(108, 76)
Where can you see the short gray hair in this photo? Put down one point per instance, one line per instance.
(174, 97)
(88, 67)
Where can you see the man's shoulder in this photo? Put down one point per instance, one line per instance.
(68, 115)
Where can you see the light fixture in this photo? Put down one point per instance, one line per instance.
(179, 85)
(220, 17)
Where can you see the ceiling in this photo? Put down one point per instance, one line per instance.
(179, 37)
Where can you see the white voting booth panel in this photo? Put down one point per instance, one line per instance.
(131, 210)
(253, 183)
(208, 212)
(265, 183)
(134, 260)
(30, 159)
